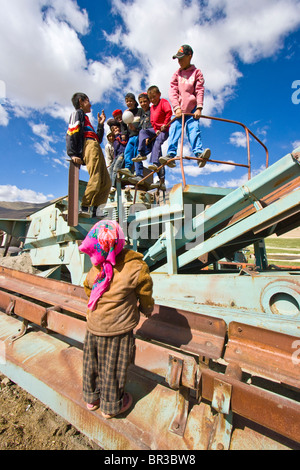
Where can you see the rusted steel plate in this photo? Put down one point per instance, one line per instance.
(161, 361)
(21, 307)
(46, 290)
(264, 352)
(65, 325)
(189, 331)
(280, 414)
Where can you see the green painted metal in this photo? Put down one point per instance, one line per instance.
(197, 227)
(15, 227)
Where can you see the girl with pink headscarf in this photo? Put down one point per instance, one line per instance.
(119, 287)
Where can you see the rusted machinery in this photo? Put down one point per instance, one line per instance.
(217, 366)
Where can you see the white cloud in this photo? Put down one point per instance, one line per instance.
(4, 119)
(42, 131)
(237, 182)
(43, 61)
(10, 193)
(238, 139)
(220, 32)
(296, 144)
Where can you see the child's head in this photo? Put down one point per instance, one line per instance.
(115, 128)
(117, 114)
(144, 101)
(130, 101)
(184, 56)
(81, 101)
(154, 94)
(110, 136)
(102, 244)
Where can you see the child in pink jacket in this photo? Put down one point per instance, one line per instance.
(186, 96)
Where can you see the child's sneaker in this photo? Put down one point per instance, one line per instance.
(154, 185)
(205, 156)
(152, 167)
(125, 171)
(165, 160)
(135, 179)
(139, 158)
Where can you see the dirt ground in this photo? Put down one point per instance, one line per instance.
(25, 422)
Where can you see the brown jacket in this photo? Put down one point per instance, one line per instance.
(117, 311)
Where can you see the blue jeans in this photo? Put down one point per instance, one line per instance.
(131, 150)
(193, 134)
(155, 146)
(114, 167)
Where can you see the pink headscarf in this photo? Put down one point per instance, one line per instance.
(103, 243)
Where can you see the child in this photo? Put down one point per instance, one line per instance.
(133, 133)
(144, 143)
(83, 146)
(119, 146)
(117, 115)
(186, 96)
(118, 279)
(160, 116)
(109, 150)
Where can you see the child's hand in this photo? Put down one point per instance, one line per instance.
(101, 117)
(77, 161)
(178, 113)
(197, 113)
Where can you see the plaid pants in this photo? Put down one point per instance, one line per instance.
(105, 363)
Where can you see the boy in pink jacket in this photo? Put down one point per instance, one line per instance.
(186, 96)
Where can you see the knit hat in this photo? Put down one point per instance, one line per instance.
(112, 122)
(103, 243)
(116, 112)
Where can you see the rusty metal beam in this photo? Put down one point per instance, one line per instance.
(46, 290)
(184, 339)
(264, 352)
(73, 195)
(265, 408)
(189, 331)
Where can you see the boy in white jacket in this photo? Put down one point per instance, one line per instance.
(186, 96)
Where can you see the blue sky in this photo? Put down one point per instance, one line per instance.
(248, 51)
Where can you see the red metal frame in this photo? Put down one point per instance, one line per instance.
(181, 157)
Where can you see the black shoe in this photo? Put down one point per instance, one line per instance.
(84, 210)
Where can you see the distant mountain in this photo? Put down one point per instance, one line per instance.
(19, 210)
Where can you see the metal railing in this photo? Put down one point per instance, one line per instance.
(181, 157)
